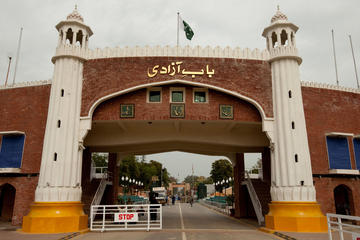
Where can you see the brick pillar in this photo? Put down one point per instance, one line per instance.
(239, 191)
(114, 169)
(266, 164)
(86, 167)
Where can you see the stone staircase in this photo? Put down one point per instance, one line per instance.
(88, 192)
(263, 192)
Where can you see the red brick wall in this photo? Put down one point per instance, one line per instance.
(251, 78)
(24, 196)
(110, 109)
(25, 109)
(325, 193)
(331, 111)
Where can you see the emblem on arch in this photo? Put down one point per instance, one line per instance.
(177, 110)
(127, 110)
(226, 111)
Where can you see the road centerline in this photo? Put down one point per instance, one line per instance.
(183, 234)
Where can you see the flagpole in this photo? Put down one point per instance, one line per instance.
(7, 74)
(17, 55)
(333, 42)
(352, 51)
(177, 39)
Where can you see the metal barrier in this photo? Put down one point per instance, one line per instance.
(125, 217)
(338, 225)
(220, 207)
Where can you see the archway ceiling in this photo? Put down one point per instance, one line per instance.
(147, 137)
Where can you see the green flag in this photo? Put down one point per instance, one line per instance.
(188, 31)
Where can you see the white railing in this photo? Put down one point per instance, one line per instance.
(101, 188)
(254, 199)
(220, 207)
(125, 217)
(343, 224)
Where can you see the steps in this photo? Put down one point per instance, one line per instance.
(88, 192)
(262, 190)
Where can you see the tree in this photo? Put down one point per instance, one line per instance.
(220, 170)
(143, 171)
(172, 179)
(257, 166)
(100, 159)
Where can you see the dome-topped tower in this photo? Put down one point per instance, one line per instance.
(293, 206)
(73, 31)
(279, 17)
(75, 15)
(60, 170)
(281, 32)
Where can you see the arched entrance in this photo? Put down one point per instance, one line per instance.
(202, 130)
(7, 200)
(343, 200)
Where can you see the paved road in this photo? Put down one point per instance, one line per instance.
(182, 222)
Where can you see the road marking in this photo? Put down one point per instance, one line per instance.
(183, 235)
(181, 218)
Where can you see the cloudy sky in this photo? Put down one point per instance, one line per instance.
(234, 23)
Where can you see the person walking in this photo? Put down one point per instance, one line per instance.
(191, 201)
(173, 199)
(153, 211)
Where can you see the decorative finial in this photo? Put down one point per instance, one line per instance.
(278, 7)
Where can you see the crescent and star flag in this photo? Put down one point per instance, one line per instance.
(184, 26)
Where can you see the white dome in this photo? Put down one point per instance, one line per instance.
(279, 17)
(75, 15)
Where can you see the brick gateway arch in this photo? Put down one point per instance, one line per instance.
(97, 95)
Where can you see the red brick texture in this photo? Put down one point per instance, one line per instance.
(110, 109)
(325, 193)
(251, 78)
(24, 196)
(331, 111)
(25, 109)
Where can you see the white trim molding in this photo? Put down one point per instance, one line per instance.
(12, 133)
(330, 87)
(340, 134)
(26, 84)
(344, 171)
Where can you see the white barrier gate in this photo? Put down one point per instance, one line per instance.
(125, 217)
(343, 224)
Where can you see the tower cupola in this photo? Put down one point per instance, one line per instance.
(73, 31)
(281, 32)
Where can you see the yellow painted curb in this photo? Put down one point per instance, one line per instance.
(266, 230)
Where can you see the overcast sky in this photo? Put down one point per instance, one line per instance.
(234, 23)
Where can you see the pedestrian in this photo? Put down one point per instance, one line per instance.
(191, 201)
(153, 211)
(173, 199)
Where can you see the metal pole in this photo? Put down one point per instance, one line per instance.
(17, 55)
(336, 71)
(178, 22)
(7, 74)
(352, 51)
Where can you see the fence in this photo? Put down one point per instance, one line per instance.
(125, 217)
(343, 224)
(218, 206)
